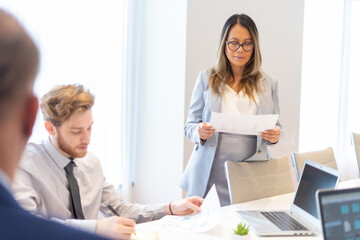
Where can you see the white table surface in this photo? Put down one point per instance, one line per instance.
(349, 183)
(228, 219)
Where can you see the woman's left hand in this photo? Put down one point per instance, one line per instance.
(271, 136)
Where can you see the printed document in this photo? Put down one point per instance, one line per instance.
(203, 221)
(247, 124)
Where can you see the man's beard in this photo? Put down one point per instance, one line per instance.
(68, 150)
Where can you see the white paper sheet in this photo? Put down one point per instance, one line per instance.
(249, 124)
(200, 222)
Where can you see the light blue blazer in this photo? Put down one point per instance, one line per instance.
(203, 101)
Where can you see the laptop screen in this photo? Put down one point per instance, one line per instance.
(340, 214)
(311, 180)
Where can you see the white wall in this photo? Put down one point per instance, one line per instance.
(160, 94)
(280, 25)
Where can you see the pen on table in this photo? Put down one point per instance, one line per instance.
(108, 205)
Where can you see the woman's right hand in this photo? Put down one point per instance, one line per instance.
(205, 130)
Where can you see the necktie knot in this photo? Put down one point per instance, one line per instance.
(70, 167)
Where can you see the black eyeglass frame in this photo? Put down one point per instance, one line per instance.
(240, 45)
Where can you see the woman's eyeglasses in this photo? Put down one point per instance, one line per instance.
(234, 46)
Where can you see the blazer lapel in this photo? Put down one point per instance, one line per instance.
(262, 101)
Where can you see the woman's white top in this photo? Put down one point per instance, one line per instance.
(237, 103)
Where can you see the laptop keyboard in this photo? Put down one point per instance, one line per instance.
(283, 221)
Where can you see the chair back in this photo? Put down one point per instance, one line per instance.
(356, 141)
(249, 181)
(325, 157)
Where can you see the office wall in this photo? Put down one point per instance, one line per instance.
(160, 100)
(280, 25)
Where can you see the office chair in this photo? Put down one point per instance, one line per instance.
(325, 157)
(259, 179)
(356, 141)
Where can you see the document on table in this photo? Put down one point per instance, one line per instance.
(247, 124)
(203, 221)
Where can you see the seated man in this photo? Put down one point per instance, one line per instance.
(19, 59)
(60, 178)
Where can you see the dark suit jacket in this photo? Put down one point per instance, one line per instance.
(16, 223)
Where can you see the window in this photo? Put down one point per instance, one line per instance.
(353, 71)
(349, 115)
(81, 42)
(330, 79)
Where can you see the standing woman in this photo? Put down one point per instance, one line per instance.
(235, 85)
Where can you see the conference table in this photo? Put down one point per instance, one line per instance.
(228, 219)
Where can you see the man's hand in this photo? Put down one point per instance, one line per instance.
(185, 206)
(115, 227)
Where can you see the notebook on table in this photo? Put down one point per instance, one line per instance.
(302, 218)
(339, 212)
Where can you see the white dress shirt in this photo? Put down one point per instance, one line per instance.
(41, 186)
(237, 103)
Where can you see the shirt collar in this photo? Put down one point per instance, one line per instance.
(60, 160)
(5, 181)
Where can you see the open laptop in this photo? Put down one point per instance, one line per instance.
(302, 218)
(339, 212)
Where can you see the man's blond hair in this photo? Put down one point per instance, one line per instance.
(62, 101)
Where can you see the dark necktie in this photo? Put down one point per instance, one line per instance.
(74, 191)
